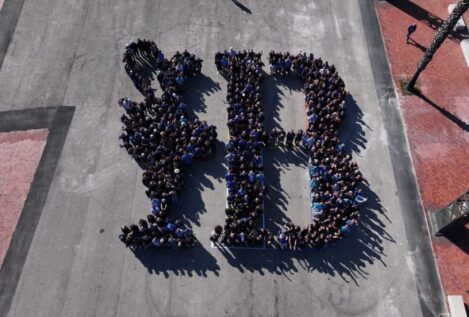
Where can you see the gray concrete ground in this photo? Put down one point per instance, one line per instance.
(67, 53)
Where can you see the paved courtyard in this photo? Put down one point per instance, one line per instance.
(68, 54)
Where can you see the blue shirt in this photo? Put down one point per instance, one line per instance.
(187, 158)
(183, 107)
(260, 178)
(180, 80)
(345, 229)
(258, 161)
(309, 142)
(242, 191)
(170, 227)
(252, 177)
(313, 184)
(242, 143)
(180, 233)
(155, 202)
(160, 56)
(230, 157)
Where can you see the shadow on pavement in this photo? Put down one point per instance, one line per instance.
(196, 90)
(272, 98)
(463, 125)
(278, 160)
(424, 16)
(458, 233)
(417, 45)
(195, 177)
(352, 131)
(347, 258)
(190, 204)
(178, 262)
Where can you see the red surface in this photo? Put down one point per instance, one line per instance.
(20, 153)
(439, 147)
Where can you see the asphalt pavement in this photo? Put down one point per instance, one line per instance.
(68, 53)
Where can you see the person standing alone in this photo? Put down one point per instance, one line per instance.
(411, 29)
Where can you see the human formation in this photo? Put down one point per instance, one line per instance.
(334, 178)
(159, 135)
(247, 138)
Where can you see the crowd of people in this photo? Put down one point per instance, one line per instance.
(334, 178)
(247, 138)
(159, 135)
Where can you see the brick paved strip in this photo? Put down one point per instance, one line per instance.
(55, 120)
(20, 153)
(436, 123)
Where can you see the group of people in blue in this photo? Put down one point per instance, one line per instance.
(247, 138)
(160, 136)
(334, 179)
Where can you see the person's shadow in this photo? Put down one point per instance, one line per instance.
(190, 261)
(417, 45)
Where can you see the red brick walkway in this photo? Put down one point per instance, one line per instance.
(20, 153)
(438, 142)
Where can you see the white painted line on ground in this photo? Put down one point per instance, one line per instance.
(337, 28)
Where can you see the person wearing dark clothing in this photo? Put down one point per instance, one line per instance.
(411, 29)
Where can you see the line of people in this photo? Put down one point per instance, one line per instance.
(247, 138)
(159, 135)
(334, 178)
